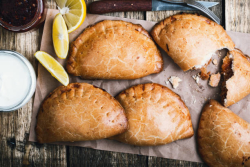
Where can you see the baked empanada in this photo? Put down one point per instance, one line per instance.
(114, 50)
(155, 114)
(190, 40)
(223, 137)
(236, 77)
(79, 112)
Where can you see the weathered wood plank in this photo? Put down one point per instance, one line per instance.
(238, 15)
(14, 126)
(155, 161)
(89, 157)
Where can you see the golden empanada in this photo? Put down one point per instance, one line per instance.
(114, 50)
(155, 114)
(223, 137)
(79, 112)
(190, 40)
(236, 74)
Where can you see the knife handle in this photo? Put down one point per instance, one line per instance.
(108, 6)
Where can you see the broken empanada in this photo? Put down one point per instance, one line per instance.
(223, 137)
(114, 50)
(79, 112)
(155, 114)
(236, 77)
(191, 40)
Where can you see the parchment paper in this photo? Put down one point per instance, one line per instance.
(195, 95)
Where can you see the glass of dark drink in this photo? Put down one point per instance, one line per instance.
(22, 15)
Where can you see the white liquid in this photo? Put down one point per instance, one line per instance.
(14, 80)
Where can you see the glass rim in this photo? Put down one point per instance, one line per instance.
(32, 87)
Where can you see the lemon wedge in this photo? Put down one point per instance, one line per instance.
(73, 11)
(60, 36)
(53, 66)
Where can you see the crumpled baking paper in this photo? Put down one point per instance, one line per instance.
(195, 95)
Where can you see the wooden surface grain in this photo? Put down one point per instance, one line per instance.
(237, 15)
(15, 150)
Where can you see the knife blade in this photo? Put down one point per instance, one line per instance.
(108, 6)
(158, 5)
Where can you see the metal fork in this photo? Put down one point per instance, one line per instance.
(196, 5)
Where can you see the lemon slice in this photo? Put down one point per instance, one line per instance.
(60, 36)
(53, 66)
(73, 11)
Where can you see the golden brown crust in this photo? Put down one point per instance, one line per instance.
(190, 40)
(238, 86)
(114, 50)
(223, 137)
(79, 112)
(156, 116)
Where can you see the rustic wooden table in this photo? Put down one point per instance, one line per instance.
(15, 150)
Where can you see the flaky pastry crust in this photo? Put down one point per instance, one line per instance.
(79, 112)
(223, 137)
(156, 116)
(190, 40)
(114, 50)
(238, 86)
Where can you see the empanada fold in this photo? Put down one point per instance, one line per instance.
(79, 112)
(236, 77)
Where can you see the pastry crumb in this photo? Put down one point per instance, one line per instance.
(196, 78)
(214, 80)
(167, 82)
(174, 81)
(215, 61)
(219, 54)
